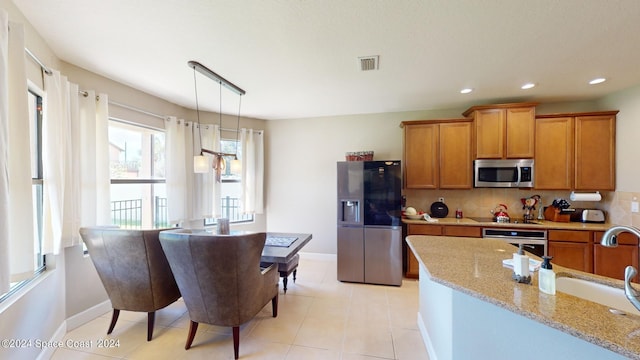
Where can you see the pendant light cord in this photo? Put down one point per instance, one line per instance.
(238, 125)
(220, 113)
(195, 86)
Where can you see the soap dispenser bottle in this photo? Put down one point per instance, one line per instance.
(547, 277)
(521, 266)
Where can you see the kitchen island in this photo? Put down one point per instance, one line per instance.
(471, 308)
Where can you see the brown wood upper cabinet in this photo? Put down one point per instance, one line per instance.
(575, 151)
(437, 154)
(503, 131)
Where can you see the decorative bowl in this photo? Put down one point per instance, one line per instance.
(415, 217)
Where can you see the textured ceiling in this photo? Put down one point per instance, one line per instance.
(299, 58)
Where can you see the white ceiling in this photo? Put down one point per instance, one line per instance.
(299, 58)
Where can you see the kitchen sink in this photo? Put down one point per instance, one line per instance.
(602, 294)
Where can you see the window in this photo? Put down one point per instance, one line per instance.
(35, 139)
(231, 186)
(138, 191)
(35, 116)
(138, 186)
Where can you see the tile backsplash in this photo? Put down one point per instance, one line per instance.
(479, 202)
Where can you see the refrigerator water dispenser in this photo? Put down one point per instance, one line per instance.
(350, 211)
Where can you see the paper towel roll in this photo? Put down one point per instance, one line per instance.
(585, 196)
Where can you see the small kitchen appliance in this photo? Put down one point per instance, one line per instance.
(588, 216)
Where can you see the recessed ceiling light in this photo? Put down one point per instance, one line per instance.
(466, 91)
(527, 86)
(597, 81)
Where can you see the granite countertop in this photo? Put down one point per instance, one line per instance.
(546, 224)
(478, 272)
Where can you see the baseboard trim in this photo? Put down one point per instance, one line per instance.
(88, 315)
(58, 335)
(425, 338)
(318, 256)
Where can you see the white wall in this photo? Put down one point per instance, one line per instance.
(301, 166)
(627, 137)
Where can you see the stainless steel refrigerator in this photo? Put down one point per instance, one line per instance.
(369, 222)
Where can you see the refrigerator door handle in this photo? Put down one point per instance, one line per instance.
(391, 227)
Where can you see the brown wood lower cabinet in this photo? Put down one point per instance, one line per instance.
(437, 230)
(575, 249)
(466, 231)
(611, 262)
(418, 229)
(577, 256)
(571, 248)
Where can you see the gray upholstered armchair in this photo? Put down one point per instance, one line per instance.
(220, 278)
(133, 269)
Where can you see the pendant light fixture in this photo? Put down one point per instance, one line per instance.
(200, 163)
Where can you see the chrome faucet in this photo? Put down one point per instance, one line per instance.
(610, 239)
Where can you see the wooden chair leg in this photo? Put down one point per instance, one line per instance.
(192, 333)
(295, 273)
(114, 319)
(274, 306)
(236, 341)
(285, 279)
(151, 319)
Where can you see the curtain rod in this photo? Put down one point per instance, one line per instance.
(136, 109)
(85, 94)
(42, 65)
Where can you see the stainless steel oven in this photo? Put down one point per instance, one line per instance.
(533, 240)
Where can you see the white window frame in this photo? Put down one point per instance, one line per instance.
(37, 181)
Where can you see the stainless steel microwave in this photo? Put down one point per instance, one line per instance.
(509, 173)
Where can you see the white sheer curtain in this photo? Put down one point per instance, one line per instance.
(75, 162)
(252, 198)
(190, 196)
(179, 135)
(208, 201)
(93, 170)
(16, 202)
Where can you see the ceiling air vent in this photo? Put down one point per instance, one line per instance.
(369, 62)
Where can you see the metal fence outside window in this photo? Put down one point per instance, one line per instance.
(128, 213)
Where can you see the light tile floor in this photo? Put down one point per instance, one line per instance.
(318, 318)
